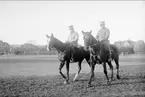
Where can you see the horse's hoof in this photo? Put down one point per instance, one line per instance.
(108, 82)
(75, 80)
(111, 79)
(65, 82)
(89, 85)
(93, 78)
(118, 77)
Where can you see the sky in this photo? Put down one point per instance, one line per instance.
(23, 21)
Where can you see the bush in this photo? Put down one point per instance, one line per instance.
(18, 51)
(4, 47)
(139, 47)
(125, 47)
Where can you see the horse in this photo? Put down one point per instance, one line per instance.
(65, 52)
(98, 54)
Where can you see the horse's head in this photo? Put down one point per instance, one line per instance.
(50, 42)
(54, 43)
(88, 38)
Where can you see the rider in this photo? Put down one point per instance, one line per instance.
(73, 39)
(103, 36)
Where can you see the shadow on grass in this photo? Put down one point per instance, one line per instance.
(123, 81)
(102, 81)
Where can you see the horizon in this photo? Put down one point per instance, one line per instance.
(79, 44)
(23, 21)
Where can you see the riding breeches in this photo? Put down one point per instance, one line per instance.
(107, 44)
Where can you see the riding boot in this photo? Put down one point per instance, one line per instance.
(72, 54)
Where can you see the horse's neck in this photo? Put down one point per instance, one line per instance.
(59, 46)
(93, 40)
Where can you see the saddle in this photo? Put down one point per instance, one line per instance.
(96, 53)
(72, 49)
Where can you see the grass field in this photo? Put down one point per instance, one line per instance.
(37, 76)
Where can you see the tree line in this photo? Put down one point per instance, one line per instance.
(125, 47)
(24, 49)
(4, 47)
(131, 47)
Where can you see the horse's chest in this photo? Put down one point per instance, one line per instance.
(61, 56)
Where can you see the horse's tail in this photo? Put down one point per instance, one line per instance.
(115, 51)
(114, 48)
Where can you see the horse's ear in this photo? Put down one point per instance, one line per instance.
(90, 31)
(51, 34)
(83, 32)
(47, 36)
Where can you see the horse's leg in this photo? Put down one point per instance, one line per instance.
(67, 72)
(88, 61)
(105, 71)
(79, 69)
(117, 67)
(92, 73)
(111, 68)
(60, 67)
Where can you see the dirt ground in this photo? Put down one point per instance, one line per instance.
(37, 76)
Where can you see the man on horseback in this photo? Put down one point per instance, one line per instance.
(73, 39)
(103, 37)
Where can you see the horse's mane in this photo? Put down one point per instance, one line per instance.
(58, 41)
(93, 39)
(59, 45)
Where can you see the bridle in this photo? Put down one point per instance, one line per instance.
(93, 54)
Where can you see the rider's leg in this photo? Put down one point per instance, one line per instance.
(109, 55)
(107, 46)
(72, 51)
(74, 46)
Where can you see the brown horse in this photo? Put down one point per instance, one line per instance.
(65, 51)
(99, 55)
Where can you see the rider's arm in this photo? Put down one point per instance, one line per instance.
(107, 34)
(69, 38)
(77, 36)
(73, 37)
(97, 36)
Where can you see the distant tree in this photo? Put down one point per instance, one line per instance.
(29, 47)
(4, 47)
(17, 51)
(125, 47)
(43, 48)
(139, 46)
(1, 47)
(131, 43)
(43, 51)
